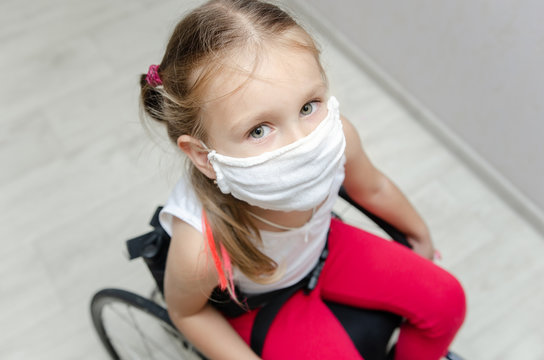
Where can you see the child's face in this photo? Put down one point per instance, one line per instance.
(283, 101)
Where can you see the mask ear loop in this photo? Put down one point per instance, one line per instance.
(209, 151)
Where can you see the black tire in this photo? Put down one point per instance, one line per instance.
(133, 327)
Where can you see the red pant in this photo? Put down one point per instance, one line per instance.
(363, 270)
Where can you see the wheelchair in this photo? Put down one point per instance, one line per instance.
(131, 326)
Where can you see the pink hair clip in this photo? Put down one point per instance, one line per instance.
(153, 77)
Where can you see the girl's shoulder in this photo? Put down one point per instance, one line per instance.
(190, 275)
(182, 204)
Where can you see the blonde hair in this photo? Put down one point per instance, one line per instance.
(194, 56)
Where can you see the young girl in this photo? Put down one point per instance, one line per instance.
(242, 93)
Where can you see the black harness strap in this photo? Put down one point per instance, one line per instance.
(267, 314)
(269, 303)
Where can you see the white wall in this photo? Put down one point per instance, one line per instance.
(477, 65)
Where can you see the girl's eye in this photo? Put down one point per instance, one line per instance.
(308, 108)
(260, 131)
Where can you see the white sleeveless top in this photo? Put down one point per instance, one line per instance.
(297, 250)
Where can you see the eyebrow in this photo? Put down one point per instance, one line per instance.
(243, 124)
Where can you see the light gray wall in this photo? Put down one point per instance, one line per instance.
(476, 64)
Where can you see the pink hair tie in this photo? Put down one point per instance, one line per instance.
(153, 77)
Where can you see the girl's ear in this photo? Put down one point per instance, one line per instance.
(198, 155)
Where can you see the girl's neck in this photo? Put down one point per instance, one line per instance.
(285, 219)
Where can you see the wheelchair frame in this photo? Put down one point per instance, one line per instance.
(166, 342)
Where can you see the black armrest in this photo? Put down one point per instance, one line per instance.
(395, 234)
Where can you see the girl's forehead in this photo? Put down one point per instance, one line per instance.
(251, 73)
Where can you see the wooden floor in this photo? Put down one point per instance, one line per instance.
(80, 175)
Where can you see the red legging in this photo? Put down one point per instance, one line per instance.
(363, 270)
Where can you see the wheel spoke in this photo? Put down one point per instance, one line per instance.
(141, 333)
(151, 347)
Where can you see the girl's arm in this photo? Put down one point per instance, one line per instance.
(189, 280)
(375, 192)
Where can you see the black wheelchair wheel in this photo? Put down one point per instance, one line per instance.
(133, 327)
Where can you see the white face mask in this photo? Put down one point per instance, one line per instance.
(297, 176)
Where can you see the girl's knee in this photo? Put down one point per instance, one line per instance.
(447, 307)
(456, 298)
